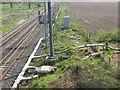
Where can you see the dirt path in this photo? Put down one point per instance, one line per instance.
(96, 16)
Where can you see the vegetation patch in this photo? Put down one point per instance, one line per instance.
(111, 36)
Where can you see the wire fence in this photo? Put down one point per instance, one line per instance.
(87, 35)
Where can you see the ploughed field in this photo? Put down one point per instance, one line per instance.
(95, 16)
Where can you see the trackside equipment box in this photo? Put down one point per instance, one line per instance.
(65, 22)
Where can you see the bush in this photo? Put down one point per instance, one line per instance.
(108, 36)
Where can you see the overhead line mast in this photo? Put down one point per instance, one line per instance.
(50, 28)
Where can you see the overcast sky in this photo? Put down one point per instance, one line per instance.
(61, 0)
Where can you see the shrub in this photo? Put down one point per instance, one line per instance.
(108, 36)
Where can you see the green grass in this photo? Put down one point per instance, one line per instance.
(111, 36)
(90, 73)
(63, 36)
(9, 25)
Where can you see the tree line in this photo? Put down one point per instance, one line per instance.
(29, 3)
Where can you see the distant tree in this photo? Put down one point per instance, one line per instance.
(5, 2)
(11, 4)
(29, 5)
(38, 5)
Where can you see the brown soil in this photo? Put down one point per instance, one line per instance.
(95, 16)
(116, 58)
(87, 48)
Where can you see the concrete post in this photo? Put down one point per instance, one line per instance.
(45, 24)
(39, 16)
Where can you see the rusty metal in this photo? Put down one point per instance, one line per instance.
(18, 55)
(14, 48)
(20, 29)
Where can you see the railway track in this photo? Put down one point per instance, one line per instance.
(9, 37)
(15, 53)
(11, 40)
(8, 60)
(17, 61)
(11, 58)
(16, 31)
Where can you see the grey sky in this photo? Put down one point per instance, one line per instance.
(60, 0)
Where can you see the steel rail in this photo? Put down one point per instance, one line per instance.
(14, 48)
(17, 27)
(20, 45)
(19, 54)
(20, 29)
(25, 30)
